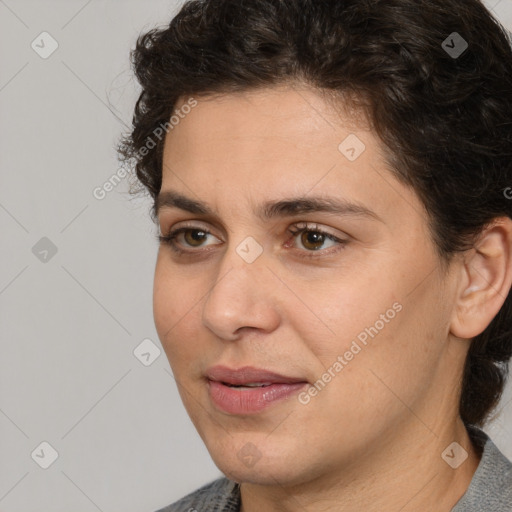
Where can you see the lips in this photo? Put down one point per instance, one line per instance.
(248, 375)
(249, 390)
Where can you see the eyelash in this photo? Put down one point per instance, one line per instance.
(170, 238)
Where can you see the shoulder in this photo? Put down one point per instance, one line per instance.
(491, 486)
(217, 496)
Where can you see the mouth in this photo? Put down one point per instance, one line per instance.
(249, 390)
(249, 377)
(249, 385)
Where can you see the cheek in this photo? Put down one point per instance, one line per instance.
(351, 306)
(367, 326)
(175, 303)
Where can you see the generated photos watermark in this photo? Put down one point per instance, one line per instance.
(355, 348)
(100, 192)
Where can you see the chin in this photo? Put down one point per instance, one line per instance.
(261, 475)
(249, 466)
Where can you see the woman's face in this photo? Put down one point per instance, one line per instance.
(353, 300)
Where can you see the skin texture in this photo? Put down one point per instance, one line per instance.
(372, 438)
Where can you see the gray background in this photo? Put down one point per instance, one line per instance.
(70, 321)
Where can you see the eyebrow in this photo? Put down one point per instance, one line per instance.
(271, 209)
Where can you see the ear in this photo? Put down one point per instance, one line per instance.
(486, 278)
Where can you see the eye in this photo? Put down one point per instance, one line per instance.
(193, 237)
(313, 239)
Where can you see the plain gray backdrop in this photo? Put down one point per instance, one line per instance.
(90, 419)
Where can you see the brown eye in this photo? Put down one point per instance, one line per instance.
(186, 239)
(194, 237)
(312, 240)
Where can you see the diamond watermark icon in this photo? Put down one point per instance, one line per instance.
(44, 250)
(352, 147)
(44, 45)
(454, 455)
(44, 455)
(147, 352)
(249, 454)
(249, 250)
(454, 45)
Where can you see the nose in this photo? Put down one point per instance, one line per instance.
(242, 297)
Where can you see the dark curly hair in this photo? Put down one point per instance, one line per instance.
(445, 118)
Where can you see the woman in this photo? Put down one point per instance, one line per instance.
(332, 288)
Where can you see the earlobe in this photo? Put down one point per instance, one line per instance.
(486, 278)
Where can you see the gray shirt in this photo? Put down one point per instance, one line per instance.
(490, 489)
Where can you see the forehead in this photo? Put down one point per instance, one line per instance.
(295, 115)
(275, 143)
(271, 130)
